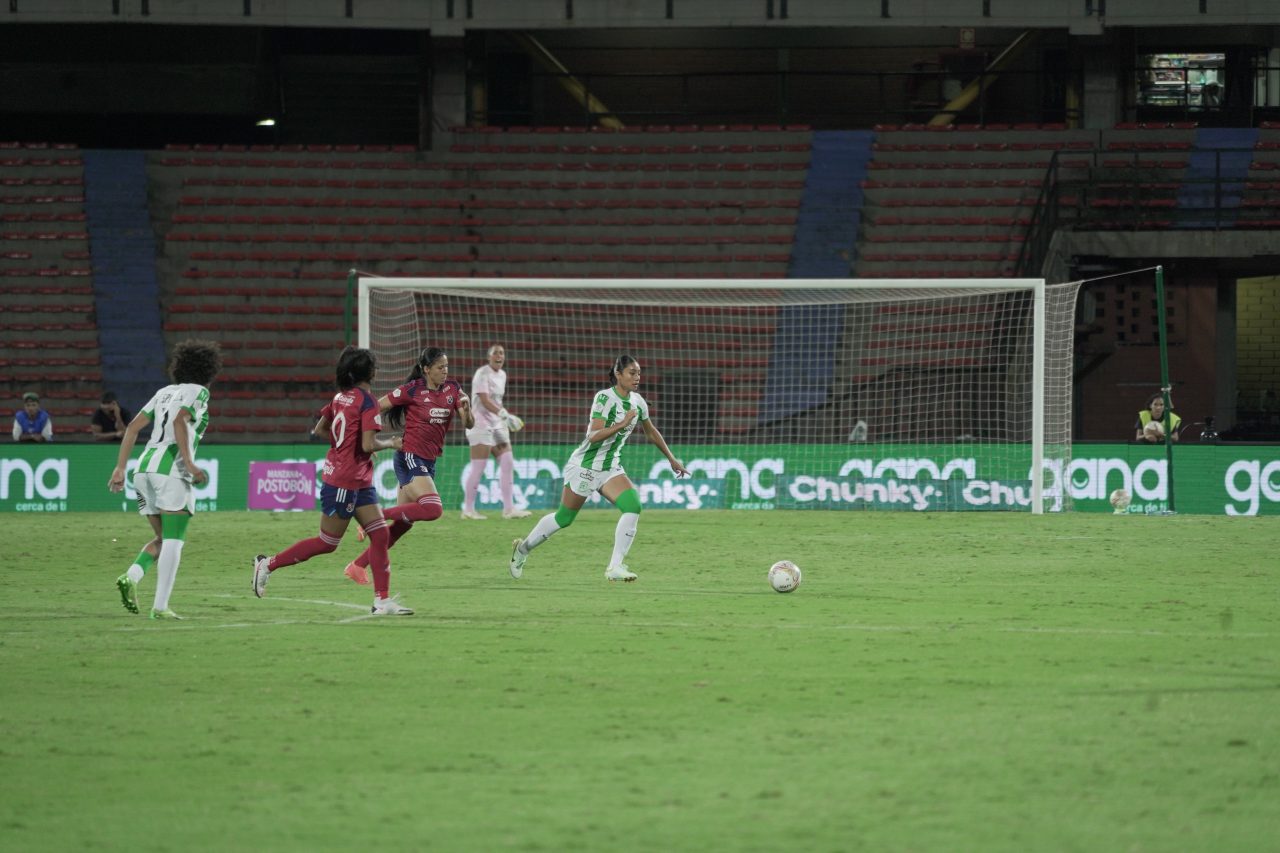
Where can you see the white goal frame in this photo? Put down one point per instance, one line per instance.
(1036, 286)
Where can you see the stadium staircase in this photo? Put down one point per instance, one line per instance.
(1216, 174)
(48, 332)
(257, 242)
(126, 289)
(803, 352)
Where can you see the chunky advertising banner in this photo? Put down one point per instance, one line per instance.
(1210, 479)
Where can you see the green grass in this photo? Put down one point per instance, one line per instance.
(938, 682)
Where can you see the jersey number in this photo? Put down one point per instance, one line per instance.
(338, 429)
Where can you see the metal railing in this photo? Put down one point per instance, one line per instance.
(1132, 191)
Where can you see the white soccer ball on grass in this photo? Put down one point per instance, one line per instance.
(784, 576)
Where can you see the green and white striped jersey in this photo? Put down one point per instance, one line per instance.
(161, 455)
(609, 407)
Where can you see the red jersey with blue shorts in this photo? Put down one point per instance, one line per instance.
(350, 413)
(427, 415)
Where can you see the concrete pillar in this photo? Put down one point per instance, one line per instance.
(1103, 104)
(446, 103)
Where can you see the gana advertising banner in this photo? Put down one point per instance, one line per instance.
(1226, 479)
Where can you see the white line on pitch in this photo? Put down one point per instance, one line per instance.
(193, 625)
(301, 601)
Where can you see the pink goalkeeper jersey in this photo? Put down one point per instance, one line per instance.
(350, 413)
(427, 415)
(491, 382)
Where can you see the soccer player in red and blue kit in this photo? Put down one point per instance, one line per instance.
(352, 420)
(426, 404)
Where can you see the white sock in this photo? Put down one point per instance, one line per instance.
(623, 535)
(541, 533)
(135, 573)
(167, 571)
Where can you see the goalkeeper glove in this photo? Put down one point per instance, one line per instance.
(511, 421)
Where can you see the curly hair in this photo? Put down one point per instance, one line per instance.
(195, 361)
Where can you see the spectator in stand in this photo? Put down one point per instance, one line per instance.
(110, 419)
(32, 423)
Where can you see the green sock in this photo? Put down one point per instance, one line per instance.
(144, 561)
(140, 565)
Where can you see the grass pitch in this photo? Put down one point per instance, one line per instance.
(938, 682)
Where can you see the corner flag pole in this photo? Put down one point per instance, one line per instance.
(1165, 387)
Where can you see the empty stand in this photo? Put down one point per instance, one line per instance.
(956, 202)
(48, 330)
(257, 243)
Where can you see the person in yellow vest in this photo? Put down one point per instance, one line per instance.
(1150, 424)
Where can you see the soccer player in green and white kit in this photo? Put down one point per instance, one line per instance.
(596, 466)
(167, 469)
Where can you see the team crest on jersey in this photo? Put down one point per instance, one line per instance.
(395, 393)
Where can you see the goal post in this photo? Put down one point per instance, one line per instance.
(853, 393)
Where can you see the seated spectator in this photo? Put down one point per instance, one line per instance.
(110, 419)
(32, 423)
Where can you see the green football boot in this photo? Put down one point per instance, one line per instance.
(128, 593)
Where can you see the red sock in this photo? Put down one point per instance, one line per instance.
(378, 561)
(427, 508)
(397, 530)
(303, 550)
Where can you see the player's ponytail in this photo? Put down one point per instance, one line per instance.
(619, 366)
(429, 356)
(355, 366)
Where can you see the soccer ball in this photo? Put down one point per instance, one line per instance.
(1154, 430)
(784, 576)
(1120, 500)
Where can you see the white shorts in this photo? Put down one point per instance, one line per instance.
(490, 436)
(159, 493)
(584, 481)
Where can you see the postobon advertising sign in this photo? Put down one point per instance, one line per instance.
(1210, 479)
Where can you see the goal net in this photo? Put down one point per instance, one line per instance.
(866, 394)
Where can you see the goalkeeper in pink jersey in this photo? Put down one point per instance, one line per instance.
(425, 404)
(491, 436)
(352, 421)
